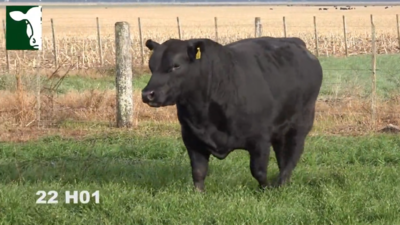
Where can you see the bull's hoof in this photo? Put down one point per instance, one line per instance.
(281, 183)
(199, 190)
(264, 186)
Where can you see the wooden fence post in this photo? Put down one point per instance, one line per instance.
(54, 43)
(257, 27)
(345, 36)
(373, 97)
(398, 29)
(316, 37)
(141, 41)
(123, 58)
(216, 28)
(284, 27)
(5, 48)
(38, 89)
(179, 28)
(99, 41)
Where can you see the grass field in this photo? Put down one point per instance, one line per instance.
(143, 177)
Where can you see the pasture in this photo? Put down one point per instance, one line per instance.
(143, 177)
(347, 175)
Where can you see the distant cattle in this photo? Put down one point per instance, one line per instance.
(251, 94)
(33, 21)
(348, 8)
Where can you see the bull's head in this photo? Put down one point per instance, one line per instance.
(175, 66)
(33, 25)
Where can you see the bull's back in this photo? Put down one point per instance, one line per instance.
(286, 66)
(273, 55)
(271, 41)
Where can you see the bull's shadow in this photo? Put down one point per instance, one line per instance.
(145, 162)
(153, 174)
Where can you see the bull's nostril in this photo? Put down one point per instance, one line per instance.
(150, 96)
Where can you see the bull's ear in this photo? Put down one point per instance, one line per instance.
(17, 15)
(195, 49)
(150, 44)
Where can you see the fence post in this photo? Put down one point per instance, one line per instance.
(316, 37)
(179, 28)
(216, 28)
(38, 88)
(257, 26)
(5, 47)
(398, 29)
(99, 41)
(54, 43)
(373, 97)
(345, 36)
(141, 41)
(124, 74)
(284, 27)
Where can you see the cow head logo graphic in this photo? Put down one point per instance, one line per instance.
(33, 22)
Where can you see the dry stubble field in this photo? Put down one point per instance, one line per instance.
(76, 41)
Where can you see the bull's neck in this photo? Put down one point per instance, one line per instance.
(216, 84)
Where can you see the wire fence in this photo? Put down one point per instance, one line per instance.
(361, 69)
(91, 45)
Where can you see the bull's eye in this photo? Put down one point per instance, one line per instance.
(173, 68)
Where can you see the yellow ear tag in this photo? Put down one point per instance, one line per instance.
(198, 54)
(151, 52)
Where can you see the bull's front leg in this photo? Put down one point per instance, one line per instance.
(199, 163)
(259, 158)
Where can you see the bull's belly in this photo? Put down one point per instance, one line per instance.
(206, 137)
(220, 153)
(221, 144)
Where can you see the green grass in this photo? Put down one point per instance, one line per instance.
(342, 77)
(72, 83)
(81, 83)
(146, 179)
(352, 76)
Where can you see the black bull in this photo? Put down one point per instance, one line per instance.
(249, 95)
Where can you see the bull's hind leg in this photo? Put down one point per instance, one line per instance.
(293, 147)
(290, 155)
(277, 145)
